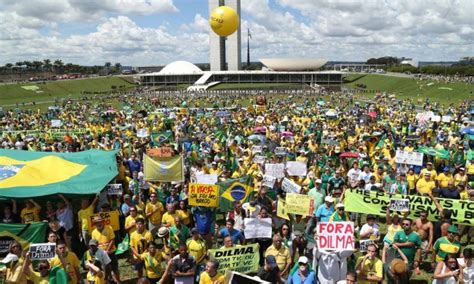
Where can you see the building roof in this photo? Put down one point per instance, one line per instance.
(293, 64)
(179, 68)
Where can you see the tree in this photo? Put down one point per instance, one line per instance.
(37, 65)
(58, 65)
(47, 64)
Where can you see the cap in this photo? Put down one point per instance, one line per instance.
(370, 217)
(429, 163)
(93, 242)
(9, 258)
(427, 174)
(163, 231)
(453, 229)
(386, 159)
(97, 219)
(462, 169)
(194, 231)
(340, 205)
(271, 260)
(446, 169)
(319, 181)
(328, 199)
(303, 259)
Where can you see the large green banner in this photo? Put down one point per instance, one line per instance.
(25, 234)
(243, 259)
(376, 203)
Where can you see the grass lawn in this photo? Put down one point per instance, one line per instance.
(27, 92)
(411, 88)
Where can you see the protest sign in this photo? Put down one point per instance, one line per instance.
(268, 181)
(259, 159)
(42, 251)
(238, 278)
(363, 244)
(280, 151)
(370, 202)
(257, 149)
(142, 133)
(114, 189)
(110, 218)
(259, 119)
(183, 111)
(401, 205)
(446, 118)
(242, 259)
(275, 170)
(410, 158)
(56, 123)
(296, 168)
(206, 195)
(329, 141)
(337, 236)
(281, 209)
(258, 228)
(223, 113)
(206, 178)
(162, 152)
(260, 108)
(290, 186)
(299, 204)
(435, 118)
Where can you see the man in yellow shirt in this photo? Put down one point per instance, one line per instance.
(169, 217)
(31, 212)
(445, 178)
(281, 253)
(152, 259)
(429, 169)
(130, 221)
(105, 236)
(139, 240)
(211, 275)
(196, 247)
(369, 268)
(154, 211)
(425, 185)
(70, 262)
(84, 215)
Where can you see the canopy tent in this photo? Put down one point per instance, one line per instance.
(26, 174)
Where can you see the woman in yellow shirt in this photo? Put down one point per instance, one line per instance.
(153, 259)
(95, 274)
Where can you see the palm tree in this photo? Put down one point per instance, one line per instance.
(37, 65)
(58, 65)
(18, 65)
(47, 64)
(9, 67)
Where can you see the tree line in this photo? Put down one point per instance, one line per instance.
(59, 67)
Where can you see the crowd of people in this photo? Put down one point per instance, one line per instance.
(216, 132)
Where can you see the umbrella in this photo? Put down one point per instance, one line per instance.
(349, 155)
(372, 114)
(321, 103)
(287, 133)
(259, 130)
(258, 137)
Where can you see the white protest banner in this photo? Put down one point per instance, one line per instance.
(258, 228)
(142, 133)
(259, 119)
(363, 244)
(206, 178)
(410, 158)
(280, 151)
(114, 189)
(257, 149)
(436, 118)
(290, 186)
(268, 181)
(336, 236)
(446, 118)
(259, 159)
(42, 251)
(55, 123)
(400, 205)
(275, 170)
(296, 168)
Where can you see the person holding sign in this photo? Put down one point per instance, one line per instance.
(371, 230)
(68, 261)
(425, 185)
(340, 215)
(105, 236)
(95, 274)
(41, 277)
(369, 268)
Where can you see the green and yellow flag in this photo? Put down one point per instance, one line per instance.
(231, 190)
(163, 169)
(26, 174)
(440, 153)
(25, 234)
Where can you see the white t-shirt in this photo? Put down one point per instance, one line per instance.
(366, 227)
(354, 176)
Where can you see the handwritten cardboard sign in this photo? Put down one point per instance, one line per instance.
(206, 195)
(336, 236)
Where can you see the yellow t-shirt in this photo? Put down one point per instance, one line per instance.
(139, 241)
(411, 179)
(98, 278)
(36, 278)
(155, 218)
(84, 216)
(153, 267)
(72, 262)
(444, 179)
(206, 279)
(168, 219)
(433, 173)
(282, 256)
(104, 237)
(185, 216)
(29, 215)
(129, 221)
(371, 267)
(196, 249)
(423, 186)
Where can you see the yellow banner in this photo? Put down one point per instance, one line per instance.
(206, 195)
(260, 108)
(299, 204)
(111, 218)
(163, 169)
(281, 210)
(242, 259)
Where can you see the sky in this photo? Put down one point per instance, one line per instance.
(157, 32)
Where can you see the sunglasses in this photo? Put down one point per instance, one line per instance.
(43, 268)
(406, 224)
(301, 263)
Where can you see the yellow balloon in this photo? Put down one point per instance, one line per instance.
(224, 20)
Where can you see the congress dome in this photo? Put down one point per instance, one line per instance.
(180, 68)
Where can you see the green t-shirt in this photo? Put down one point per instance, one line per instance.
(178, 236)
(443, 246)
(401, 237)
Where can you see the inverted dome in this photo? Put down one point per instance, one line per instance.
(180, 67)
(293, 64)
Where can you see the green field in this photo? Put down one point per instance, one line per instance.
(11, 94)
(415, 89)
(234, 86)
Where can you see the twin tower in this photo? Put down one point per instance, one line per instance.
(217, 45)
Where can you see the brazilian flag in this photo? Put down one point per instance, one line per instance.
(26, 174)
(439, 153)
(25, 234)
(239, 189)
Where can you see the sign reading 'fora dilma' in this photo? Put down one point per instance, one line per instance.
(42, 251)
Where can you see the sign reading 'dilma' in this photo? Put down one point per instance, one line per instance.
(42, 251)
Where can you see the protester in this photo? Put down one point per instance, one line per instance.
(211, 275)
(303, 275)
(369, 267)
(448, 271)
